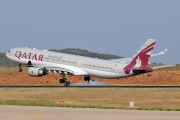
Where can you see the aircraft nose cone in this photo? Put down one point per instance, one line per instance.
(7, 54)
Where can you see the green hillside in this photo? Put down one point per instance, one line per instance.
(87, 53)
(5, 62)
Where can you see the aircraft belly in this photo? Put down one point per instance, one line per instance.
(103, 74)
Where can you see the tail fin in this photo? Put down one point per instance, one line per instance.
(141, 58)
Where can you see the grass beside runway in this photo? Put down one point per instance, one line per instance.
(107, 98)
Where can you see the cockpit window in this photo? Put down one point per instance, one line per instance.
(9, 51)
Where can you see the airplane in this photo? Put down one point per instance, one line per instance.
(41, 62)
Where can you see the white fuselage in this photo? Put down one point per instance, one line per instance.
(79, 65)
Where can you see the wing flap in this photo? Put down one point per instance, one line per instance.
(70, 70)
(60, 70)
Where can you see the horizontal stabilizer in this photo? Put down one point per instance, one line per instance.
(141, 70)
(161, 53)
(157, 67)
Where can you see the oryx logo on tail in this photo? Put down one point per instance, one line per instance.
(141, 58)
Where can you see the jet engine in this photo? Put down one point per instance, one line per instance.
(37, 71)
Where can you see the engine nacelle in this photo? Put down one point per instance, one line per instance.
(87, 78)
(37, 71)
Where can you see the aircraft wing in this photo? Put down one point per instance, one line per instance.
(129, 59)
(63, 69)
(121, 60)
(60, 70)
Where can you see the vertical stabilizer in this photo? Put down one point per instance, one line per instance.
(141, 58)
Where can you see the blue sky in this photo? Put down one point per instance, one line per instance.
(117, 27)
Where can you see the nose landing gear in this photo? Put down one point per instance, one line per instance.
(20, 68)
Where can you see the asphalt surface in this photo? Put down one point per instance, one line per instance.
(9, 112)
(90, 86)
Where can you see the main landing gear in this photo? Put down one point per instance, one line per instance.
(68, 83)
(64, 80)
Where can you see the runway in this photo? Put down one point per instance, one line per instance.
(90, 86)
(9, 112)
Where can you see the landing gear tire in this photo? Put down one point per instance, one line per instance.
(64, 80)
(67, 83)
(20, 69)
(61, 81)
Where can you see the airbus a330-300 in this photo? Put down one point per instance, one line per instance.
(41, 62)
